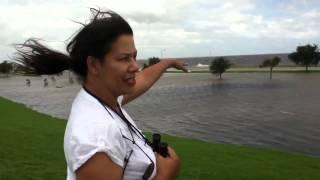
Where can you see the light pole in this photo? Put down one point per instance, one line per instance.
(161, 52)
(211, 52)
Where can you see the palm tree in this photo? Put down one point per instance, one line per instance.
(271, 63)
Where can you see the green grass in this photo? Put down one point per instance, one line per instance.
(31, 147)
(31, 144)
(202, 160)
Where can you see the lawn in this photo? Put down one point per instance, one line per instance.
(31, 147)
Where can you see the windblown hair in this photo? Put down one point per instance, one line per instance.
(93, 39)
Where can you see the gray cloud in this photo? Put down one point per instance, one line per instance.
(182, 27)
(144, 17)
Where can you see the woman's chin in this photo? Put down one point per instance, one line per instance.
(128, 90)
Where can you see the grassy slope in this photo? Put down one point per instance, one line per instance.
(31, 148)
(31, 144)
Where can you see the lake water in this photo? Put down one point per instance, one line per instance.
(243, 108)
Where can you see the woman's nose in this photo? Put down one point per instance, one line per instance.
(134, 66)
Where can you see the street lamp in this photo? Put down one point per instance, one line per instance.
(161, 52)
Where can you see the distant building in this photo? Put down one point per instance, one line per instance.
(202, 65)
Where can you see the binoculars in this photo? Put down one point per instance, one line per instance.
(158, 146)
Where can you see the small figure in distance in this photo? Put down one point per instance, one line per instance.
(28, 82)
(45, 82)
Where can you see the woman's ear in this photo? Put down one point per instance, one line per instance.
(93, 65)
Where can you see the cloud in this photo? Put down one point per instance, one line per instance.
(182, 27)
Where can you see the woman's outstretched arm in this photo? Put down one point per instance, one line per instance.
(147, 77)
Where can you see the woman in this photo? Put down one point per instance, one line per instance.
(101, 140)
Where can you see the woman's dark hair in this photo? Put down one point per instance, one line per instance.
(93, 39)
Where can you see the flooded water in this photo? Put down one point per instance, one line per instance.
(243, 108)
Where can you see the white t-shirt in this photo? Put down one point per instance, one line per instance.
(91, 129)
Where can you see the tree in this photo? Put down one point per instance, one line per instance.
(306, 55)
(144, 66)
(219, 65)
(5, 67)
(153, 60)
(271, 63)
(20, 69)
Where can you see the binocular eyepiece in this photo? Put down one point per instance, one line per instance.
(158, 146)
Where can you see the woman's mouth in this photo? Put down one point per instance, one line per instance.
(131, 81)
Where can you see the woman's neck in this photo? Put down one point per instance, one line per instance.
(103, 94)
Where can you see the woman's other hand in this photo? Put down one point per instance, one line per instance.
(168, 168)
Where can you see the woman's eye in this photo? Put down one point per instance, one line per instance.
(124, 58)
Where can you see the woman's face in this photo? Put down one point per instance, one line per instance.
(119, 67)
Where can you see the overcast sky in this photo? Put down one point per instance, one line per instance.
(171, 28)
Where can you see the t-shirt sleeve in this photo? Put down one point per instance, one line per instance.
(88, 139)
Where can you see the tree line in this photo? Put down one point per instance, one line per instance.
(6, 67)
(307, 56)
